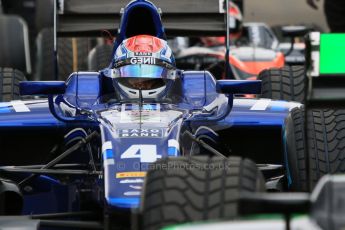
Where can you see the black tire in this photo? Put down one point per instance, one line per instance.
(68, 63)
(9, 81)
(180, 190)
(326, 143)
(295, 152)
(14, 43)
(100, 57)
(287, 83)
(44, 14)
(45, 55)
(326, 146)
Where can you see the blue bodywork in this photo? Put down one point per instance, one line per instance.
(127, 135)
(132, 135)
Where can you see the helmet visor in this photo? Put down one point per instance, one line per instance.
(145, 77)
(144, 71)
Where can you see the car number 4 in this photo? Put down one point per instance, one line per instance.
(146, 153)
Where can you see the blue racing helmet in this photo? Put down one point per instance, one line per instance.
(143, 63)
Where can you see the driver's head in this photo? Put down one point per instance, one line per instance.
(236, 21)
(235, 28)
(143, 63)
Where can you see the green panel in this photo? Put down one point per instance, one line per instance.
(332, 54)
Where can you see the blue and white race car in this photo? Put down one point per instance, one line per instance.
(140, 143)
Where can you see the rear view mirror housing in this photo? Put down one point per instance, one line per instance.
(42, 88)
(238, 86)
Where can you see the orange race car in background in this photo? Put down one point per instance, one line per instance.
(253, 48)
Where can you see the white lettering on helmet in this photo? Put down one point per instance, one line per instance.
(142, 54)
(143, 60)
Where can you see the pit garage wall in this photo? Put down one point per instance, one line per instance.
(283, 12)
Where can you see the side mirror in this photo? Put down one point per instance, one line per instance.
(238, 87)
(42, 88)
(294, 31)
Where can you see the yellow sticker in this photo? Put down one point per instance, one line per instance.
(130, 174)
